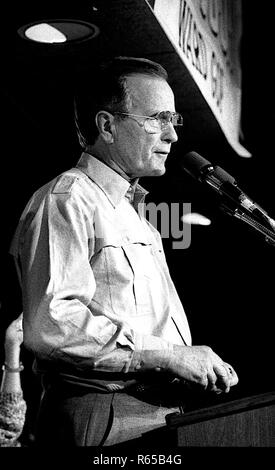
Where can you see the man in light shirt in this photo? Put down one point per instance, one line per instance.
(101, 313)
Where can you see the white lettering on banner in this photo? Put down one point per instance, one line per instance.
(206, 35)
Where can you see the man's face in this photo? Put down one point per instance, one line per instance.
(135, 151)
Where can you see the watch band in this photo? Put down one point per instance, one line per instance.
(13, 369)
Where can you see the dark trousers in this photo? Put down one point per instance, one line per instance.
(77, 417)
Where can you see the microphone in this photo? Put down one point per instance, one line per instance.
(225, 184)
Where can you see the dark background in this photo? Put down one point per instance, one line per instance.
(226, 278)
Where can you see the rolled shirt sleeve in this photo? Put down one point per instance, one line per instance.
(63, 263)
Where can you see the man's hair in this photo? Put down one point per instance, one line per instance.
(105, 89)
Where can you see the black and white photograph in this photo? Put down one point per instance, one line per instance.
(138, 230)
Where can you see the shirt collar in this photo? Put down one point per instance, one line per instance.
(112, 184)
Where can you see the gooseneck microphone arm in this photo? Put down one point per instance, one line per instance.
(234, 201)
(269, 235)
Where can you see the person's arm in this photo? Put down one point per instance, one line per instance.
(12, 403)
(63, 322)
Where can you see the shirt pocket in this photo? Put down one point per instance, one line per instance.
(114, 276)
(146, 277)
(125, 273)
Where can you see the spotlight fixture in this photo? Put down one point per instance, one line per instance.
(58, 31)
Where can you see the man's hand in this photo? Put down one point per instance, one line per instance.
(202, 366)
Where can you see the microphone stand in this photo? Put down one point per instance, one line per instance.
(269, 234)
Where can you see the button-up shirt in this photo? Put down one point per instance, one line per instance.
(96, 286)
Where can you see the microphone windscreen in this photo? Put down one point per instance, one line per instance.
(223, 176)
(198, 167)
(194, 163)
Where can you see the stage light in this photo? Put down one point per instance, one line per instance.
(194, 218)
(58, 31)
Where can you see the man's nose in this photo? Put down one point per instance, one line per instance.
(169, 134)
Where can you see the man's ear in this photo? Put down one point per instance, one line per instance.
(105, 124)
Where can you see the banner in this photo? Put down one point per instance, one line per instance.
(206, 35)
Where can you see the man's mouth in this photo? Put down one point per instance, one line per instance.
(164, 154)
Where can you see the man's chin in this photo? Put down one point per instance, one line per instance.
(156, 171)
(158, 167)
(159, 172)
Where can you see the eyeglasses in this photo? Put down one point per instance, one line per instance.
(158, 123)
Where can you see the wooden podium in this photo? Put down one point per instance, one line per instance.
(246, 422)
